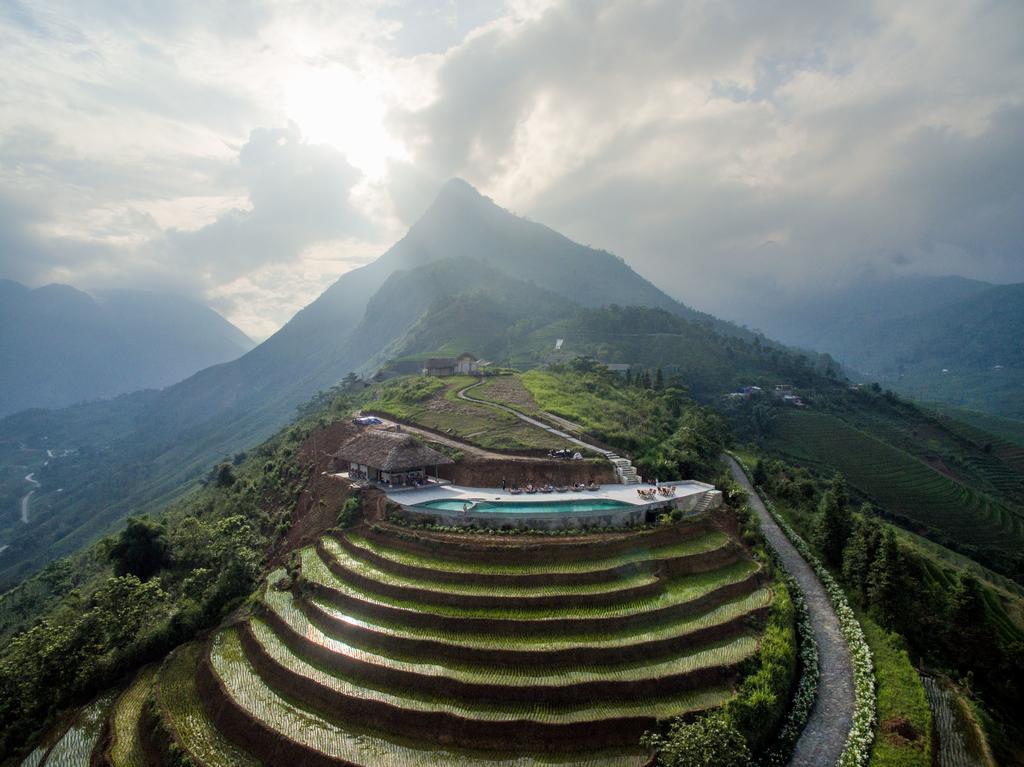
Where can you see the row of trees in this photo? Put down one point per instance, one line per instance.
(945, 616)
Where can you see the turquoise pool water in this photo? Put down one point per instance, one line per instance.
(519, 507)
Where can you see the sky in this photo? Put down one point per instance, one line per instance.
(248, 154)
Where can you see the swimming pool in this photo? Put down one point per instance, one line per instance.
(524, 507)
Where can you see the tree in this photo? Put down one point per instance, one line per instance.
(225, 475)
(886, 580)
(711, 741)
(965, 622)
(860, 552)
(760, 475)
(834, 523)
(141, 548)
(659, 380)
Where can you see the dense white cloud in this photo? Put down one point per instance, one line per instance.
(250, 154)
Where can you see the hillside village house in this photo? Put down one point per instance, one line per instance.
(439, 366)
(388, 457)
(464, 364)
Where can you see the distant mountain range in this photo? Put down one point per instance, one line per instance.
(947, 339)
(59, 346)
(466, 272)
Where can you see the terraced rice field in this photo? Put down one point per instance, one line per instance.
(957, 746)
(78, 742)
(406, 649)
(900, 483)
(126, 748)
(184, 716)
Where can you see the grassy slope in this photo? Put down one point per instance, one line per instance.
(900, 483)
(433, 403)
(1009, 429)
(995, 392)
(903, 733)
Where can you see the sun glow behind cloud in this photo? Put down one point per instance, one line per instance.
(139, 148)
(336, 107)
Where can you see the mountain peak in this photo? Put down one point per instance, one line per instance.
(459, 193)
(456, 185)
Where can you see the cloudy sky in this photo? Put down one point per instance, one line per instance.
(247, 154)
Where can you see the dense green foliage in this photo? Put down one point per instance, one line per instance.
(710, 741)
(764, 695)
(834, 523)
(948, 618)
(140, 549)
(203, 557)
(666, 433)
(915, 468)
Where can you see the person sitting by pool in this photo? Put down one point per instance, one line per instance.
(593, 486)
(530, 488)
(516, 490)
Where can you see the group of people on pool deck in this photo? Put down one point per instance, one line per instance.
(549, 488)
(652, 493)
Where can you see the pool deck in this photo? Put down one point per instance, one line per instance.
(413, 496)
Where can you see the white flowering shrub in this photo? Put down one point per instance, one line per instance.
(857, 750)
(858, 743)
(807, 686)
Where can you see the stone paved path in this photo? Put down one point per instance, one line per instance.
(822, 741)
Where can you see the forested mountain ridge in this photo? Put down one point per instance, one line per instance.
(59, 345)
(463, 245)
(942, 339)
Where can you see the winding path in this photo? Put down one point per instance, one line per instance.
(532, 421)
(466, 447)
(824, 737)
(25, 499)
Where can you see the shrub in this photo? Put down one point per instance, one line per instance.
(711, 741)
(351, 511)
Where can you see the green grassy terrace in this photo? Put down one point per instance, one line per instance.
(283, 604)
(343, 558)
(899, 482)
(126, 748)
(708, 542)
(434, 404)
(183, 714)
(361, 746)
(678, 591)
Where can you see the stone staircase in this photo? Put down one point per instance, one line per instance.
(709, 500)
(624, 469)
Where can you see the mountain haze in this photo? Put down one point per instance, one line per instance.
(151, 445)
(942, 339)
(59, 345)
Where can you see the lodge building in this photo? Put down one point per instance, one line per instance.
(389, 457)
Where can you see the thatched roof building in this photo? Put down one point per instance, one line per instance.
(389, 456)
